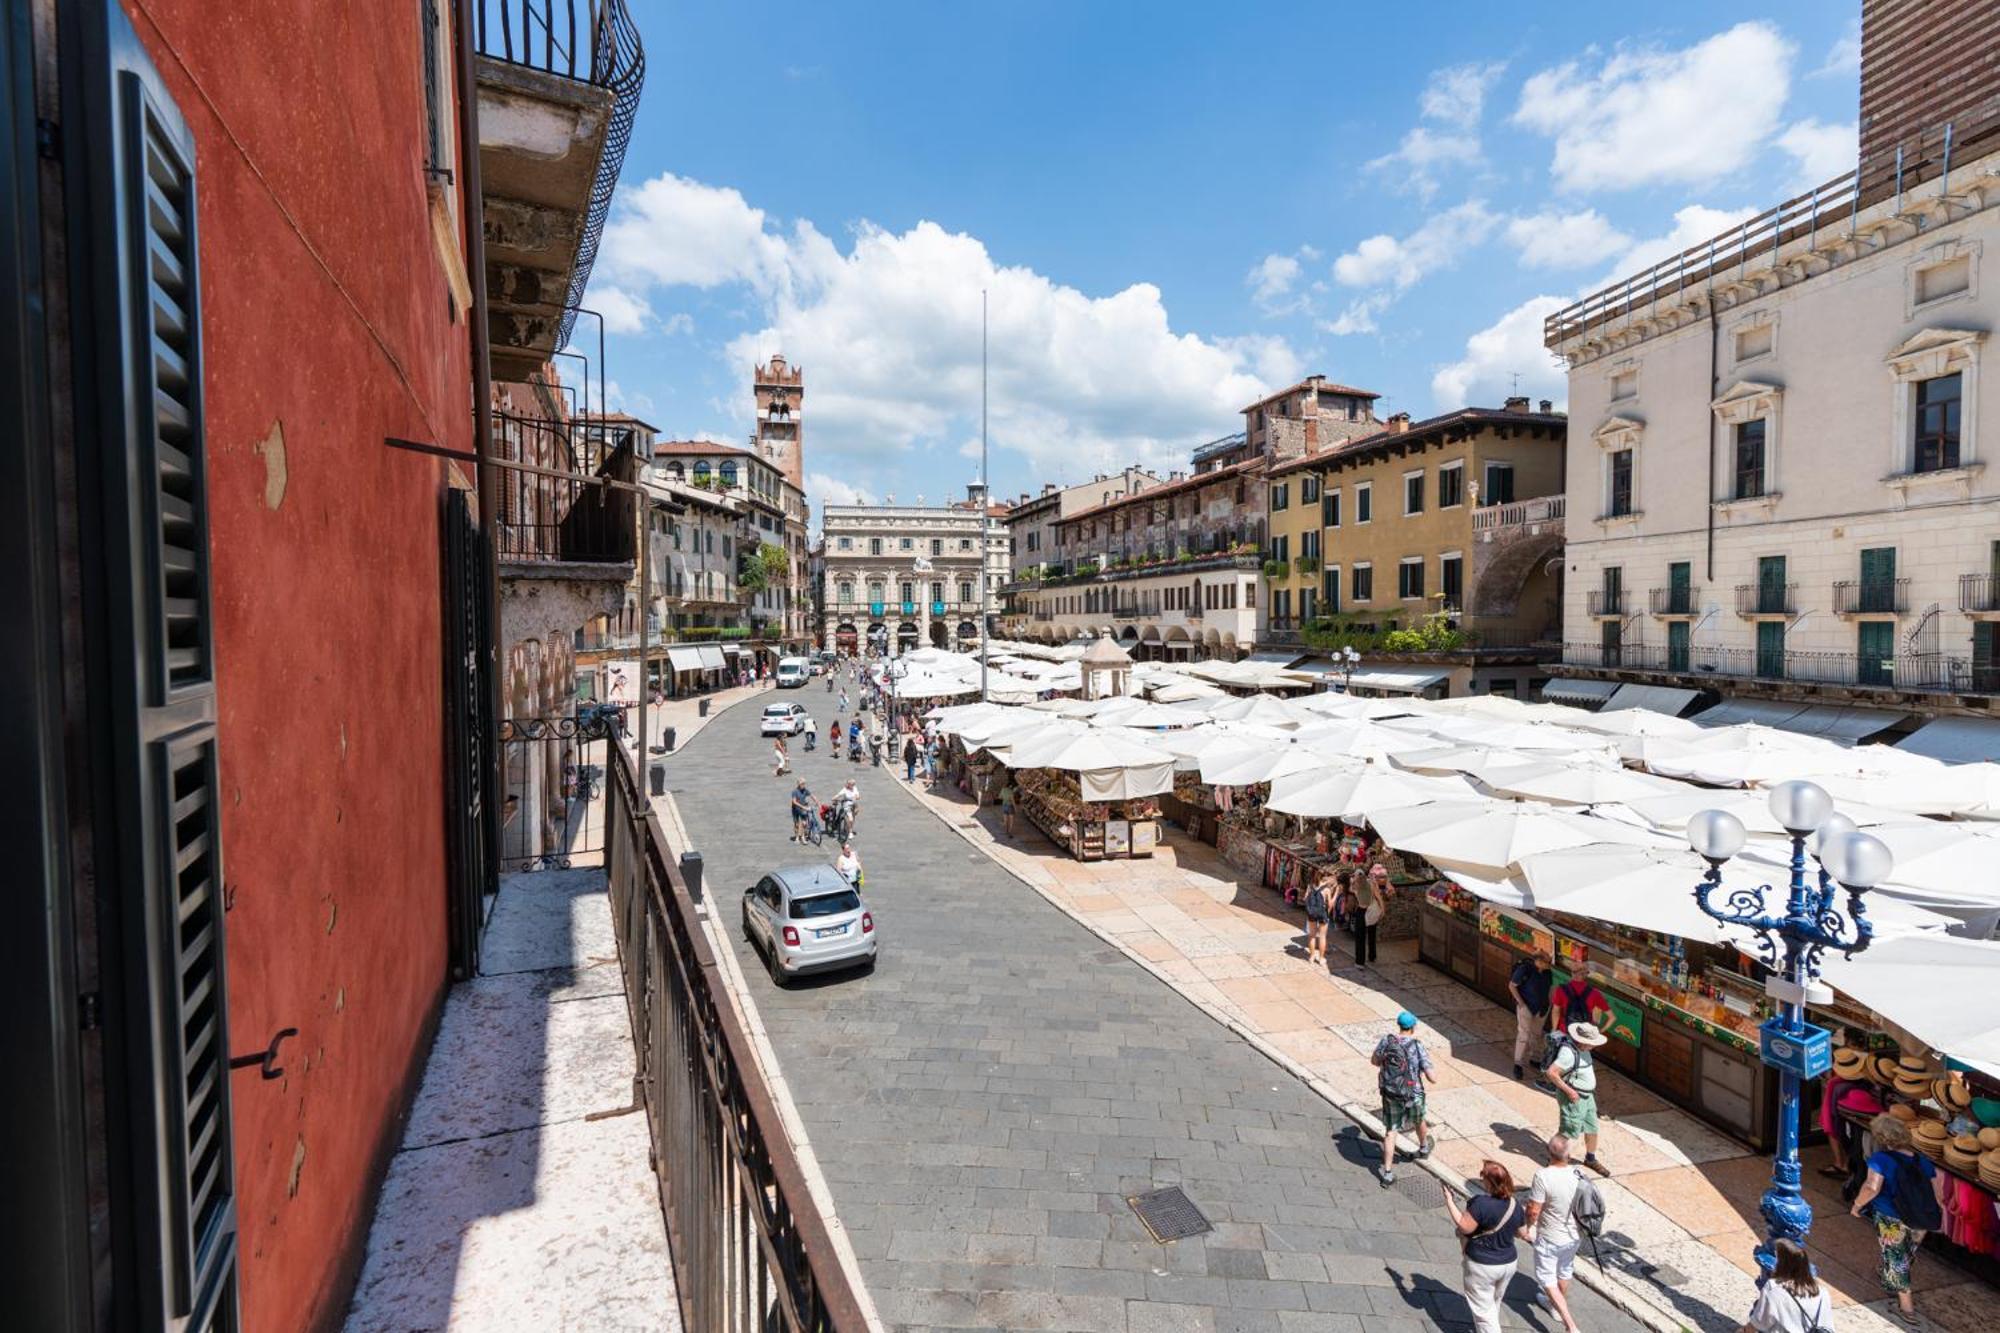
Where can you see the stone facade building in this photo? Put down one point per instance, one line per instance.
(903, 576)
(1778, 456)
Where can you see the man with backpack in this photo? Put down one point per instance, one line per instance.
(1402, 1068)
(1529, 984)
(1563, 1207)
(1572, 1072)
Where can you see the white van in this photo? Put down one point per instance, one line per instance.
(793, 672)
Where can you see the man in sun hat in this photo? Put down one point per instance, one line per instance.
(1402, 1067)
(1573, 1074)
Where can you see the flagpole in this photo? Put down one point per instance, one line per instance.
(985, 509)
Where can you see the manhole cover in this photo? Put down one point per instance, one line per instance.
(1169, 1214)
(1419, 1188)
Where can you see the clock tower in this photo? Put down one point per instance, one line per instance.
(781, 393)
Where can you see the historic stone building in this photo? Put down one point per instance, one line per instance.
(902, 576)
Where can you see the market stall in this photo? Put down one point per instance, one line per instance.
(1052, 801)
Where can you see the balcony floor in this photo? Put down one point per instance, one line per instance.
(506, 1207)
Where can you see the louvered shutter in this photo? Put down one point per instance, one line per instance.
(145, 367)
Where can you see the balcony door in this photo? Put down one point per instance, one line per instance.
(1875, 651)
(1878, 579)
(1771, 649)
(1677, 645)
(1680, 588)
(1770, 588)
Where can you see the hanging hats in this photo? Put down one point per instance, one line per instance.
(1929, 1136)
(1851, 1064)
(1989, 1137)
(1962, 1153)
(1989, 1168)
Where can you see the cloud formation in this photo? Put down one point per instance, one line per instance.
(1821, 151)
(1645, 116)
(1565, 240)
(1453, 100)
(1400, 262)
(1510, 346)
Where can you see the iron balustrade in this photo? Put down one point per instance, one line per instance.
(1605, 602)
(1979, 592)
(1909, 672)
(1871, 597)
(1767, 599)
(554, 504)
(1676, 600)
(552, 774)
(751, 1252)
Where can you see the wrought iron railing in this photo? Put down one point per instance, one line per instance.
(1605, 602)
(750, 1249)
(552, 774)
(1678, 599)
(595, 42)
(1861, 597)
(553, 503)
(1767, 599)
(1914, 672)
(1979, 592)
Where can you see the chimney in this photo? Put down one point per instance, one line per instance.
(1548, 406)
(1400, 422)
(1517, 404)
(1048, 487)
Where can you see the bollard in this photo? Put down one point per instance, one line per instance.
(659, 778)
(703, 706)
(691, 873)
(667, 740)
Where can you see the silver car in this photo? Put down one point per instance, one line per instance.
(808, 919)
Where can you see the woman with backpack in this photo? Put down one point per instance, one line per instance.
(1792, 1301)
(1316, 915)
(1486, 1228)
(1901, 1195)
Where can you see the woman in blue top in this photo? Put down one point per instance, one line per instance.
(1899, 1239)
(1486, 1227)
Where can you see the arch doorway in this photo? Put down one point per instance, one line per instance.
(940, 636)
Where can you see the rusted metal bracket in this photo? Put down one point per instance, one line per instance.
(267, 1059)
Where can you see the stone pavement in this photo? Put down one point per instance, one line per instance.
(983, 1103)
(508, 1206)
(1682, 1200)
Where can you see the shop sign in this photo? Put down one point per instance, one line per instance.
(1523, 934)
(1117, 837)
(1806, 1051)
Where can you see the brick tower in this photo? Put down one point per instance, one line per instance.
(780, 438)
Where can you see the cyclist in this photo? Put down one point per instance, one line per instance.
(847, 809)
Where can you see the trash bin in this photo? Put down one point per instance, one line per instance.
(691, 873)
(703, 706)
(658, 774)
(667, 739)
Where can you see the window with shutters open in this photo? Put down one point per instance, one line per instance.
(163, 865)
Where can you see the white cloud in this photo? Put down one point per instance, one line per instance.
(1510, 346)
(617, 400)
(677, 323)
(888, 333)
(830, 490)
(1272, 280)
(1644, 116)
(1823, 151)
(1843, 58)
(622, 311)
(1388, 261)
(1421, 150)
(1565, 240)
(1456, 95)
(1358, 317)
(1692, 225)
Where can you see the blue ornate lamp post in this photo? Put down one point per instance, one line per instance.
(1791, 944)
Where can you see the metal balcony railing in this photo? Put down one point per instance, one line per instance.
(1676, 600)
(1915, 673)
(1605, 602)
(1767, 599)
(554, 503)
(1979, 592)
(1863, 597)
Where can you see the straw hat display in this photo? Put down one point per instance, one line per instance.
(1914, 1064)
(1989, 1168)
(1885, 1069)
(1929, 1136)
(1851, 1064)
(1962, 1153)
(1989, 1137)
(1951, 1094)
(1904, 1112)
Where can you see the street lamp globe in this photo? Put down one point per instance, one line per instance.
(1716, 835)
(1857, 861)
(1800, 806)
(1833, 826)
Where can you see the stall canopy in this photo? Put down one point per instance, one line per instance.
(1659, 698)
(1492, 837)
(1922, 982)
(1393, 681)
(1846, 725)
(1583, 693)
(1732, 712)
(1108, 767)
(711, 658)
(1360, 792)
(1956, 740)
(684, 659)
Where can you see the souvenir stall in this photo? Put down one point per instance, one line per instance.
(1088, 830)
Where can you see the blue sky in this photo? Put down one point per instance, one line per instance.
(1173, 207)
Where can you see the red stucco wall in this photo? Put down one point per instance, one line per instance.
(327, 327)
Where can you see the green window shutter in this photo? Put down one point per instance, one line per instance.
(141, 432)
(1875, 652)
(1677, 645)
(1680, 575)
(1771, 649)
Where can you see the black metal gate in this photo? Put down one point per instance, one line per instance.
(469, 728)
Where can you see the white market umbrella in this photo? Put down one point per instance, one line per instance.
(1257, 708)
(1630, 722)
(1922, 982)
(1645, 888)
(1948, 864)
(1251, 761)
(1129, 712)
(1670, 811)
(1739, 756)
(1356, 737)
(1355, 794)
(950, 716)
(1562, 782)
(1173, 691)
(1108, 767)
(1949, 789)
(1492, 837)
(1358, 706)
(1479, 759)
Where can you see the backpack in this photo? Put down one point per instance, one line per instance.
(1316, 902)
(1399, 1075)
(1812, 1319)
(1916, 1204)
(1587, 1207)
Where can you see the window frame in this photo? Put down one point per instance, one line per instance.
(1413, 493)
(1456, 471)
(1364, 503)
(1405, 567)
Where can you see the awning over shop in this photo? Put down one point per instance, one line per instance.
(1841, 724)
(1764, 712)
(711, 658)
(684, 659)
(1274, 657)
(731, 650)
(1587, 693)
(1396, 682)
(1659, 698)
(1956, 740)
(1314, 666)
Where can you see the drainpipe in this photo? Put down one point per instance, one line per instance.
(472, 208)
(1708, 506)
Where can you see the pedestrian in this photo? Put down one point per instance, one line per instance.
(1486, 1228)
(843, 702)
(849, 797)
(1901, 1195)
(910, 756)
(1316, 915)
(802, 811)
(833, 738)
(1573, 1073)
(1402, 1067)
(1007, 798)
(848, 864)
(1529, 984)
(1791, 1300)
(1553, 1231)
(1577, 1001)
(780, 761)
(1371, 901)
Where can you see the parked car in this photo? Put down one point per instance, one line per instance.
(807, 919)
(792, 672)
(784, 720)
